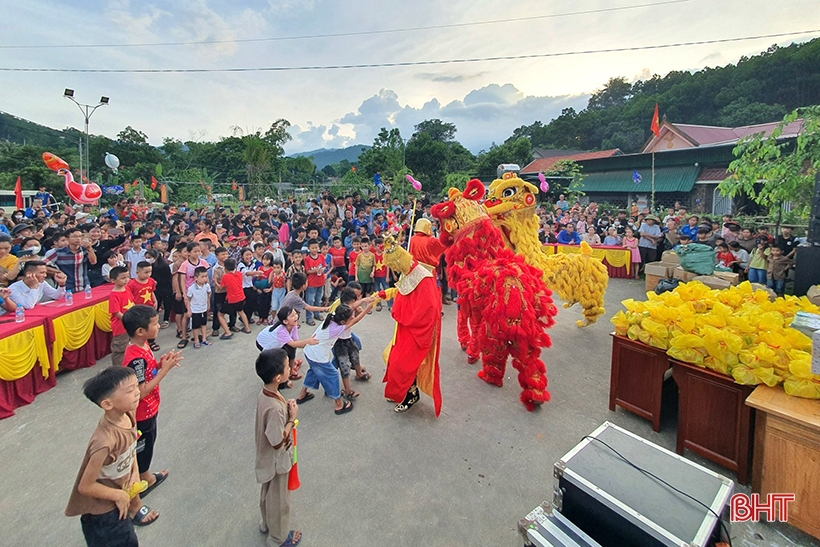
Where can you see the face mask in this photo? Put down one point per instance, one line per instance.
(18, 217)
(149, 260)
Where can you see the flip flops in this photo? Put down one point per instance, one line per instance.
(159, 480)
(182, 344)
(305, 399)
(347, 407)
(142, 514)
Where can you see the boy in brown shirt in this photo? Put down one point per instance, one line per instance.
(100, 494)
(275, 420)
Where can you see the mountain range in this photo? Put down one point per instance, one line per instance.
(328, 156)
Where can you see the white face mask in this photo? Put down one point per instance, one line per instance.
(18, 216)
(149, 260)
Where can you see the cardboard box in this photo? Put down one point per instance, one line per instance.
(713, 282)
(683, 275)
(670, 257)
(652, 281)
(659, 269)
(731, 277)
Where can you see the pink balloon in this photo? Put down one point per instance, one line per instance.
(416, 184)
(81, 193)
(545, 186)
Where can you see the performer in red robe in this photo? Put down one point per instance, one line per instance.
(412, 355)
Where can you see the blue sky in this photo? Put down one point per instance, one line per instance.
(335, 108)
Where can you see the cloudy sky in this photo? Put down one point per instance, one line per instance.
(335, 108)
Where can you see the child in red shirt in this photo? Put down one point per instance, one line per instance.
(118, 303)
(724, 257)
(380, 272)
(142, 323)
(351, 258)
(234, 301)
(315, 269)
(142, 290)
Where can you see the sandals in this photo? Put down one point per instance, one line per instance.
(290, 542)
(296, 376)
(347, 407)
(159, 479)
(206, 343)
(286, 385)
(164, 325)
(197, 345)
(310, 323)
(306, 398)
(140, 518)
(245, 331)
(226, 336)
(350, 395)
(364, 377)
(183, 343)
(154, 346)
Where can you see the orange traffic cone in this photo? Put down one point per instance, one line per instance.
(293, 476)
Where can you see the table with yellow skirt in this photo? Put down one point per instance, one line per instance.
(618, 261)
(53, 337)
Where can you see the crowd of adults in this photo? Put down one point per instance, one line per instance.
(747, 250)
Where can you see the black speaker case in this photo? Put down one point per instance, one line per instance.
(618, 506)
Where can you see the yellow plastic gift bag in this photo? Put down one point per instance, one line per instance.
(687, 348)
(654, 334)
(751, 376)
(801, 382)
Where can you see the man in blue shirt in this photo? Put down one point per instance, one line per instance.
(691, 228)
(568, 236)
(650, 237)
(44, 197)
(377, 181)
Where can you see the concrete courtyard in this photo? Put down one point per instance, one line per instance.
(370, 477)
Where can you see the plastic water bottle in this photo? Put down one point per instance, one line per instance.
(69, 298)
(19, 315)
(88, 294)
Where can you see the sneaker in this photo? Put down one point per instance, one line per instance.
(164, 325)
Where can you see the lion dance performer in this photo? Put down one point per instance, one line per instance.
(577, 278)
(508, 305)
(412, 355)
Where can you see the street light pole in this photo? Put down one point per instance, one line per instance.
(87, 110)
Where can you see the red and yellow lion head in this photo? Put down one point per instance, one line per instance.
(462, 210)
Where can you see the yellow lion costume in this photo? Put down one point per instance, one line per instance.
(577, 278)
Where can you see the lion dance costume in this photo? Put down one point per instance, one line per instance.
(508, 305)
(577, 278)
(412, 355)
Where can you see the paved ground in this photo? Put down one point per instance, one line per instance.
(370, 477)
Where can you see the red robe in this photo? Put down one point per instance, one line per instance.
(426, 249)
(413, 353)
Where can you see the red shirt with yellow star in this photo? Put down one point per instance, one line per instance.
(380, 269)
(143, 293)
(119, 302)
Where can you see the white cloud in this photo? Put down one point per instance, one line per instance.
(483, 116)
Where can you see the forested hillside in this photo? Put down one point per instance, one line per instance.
(762, 88)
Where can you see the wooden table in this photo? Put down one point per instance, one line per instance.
(636, 378)
(787, 453)
(713, 419)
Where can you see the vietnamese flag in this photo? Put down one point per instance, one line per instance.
(18, 195)
(153, 183)
(656, 126)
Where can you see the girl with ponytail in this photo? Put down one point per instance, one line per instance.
(320, 357)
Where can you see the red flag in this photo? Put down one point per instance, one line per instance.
(18, 195)
(656, 126)
(153, 183)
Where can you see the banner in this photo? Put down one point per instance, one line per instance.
(163, 193)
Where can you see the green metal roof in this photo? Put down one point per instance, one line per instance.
(667, 179)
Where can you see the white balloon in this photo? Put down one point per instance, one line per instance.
(112, 161)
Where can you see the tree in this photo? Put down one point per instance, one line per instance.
(386, 155)
(771, 170)
(572, 185)
(615, 93)
(428, 160)
(518, 151)
(437, 129)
